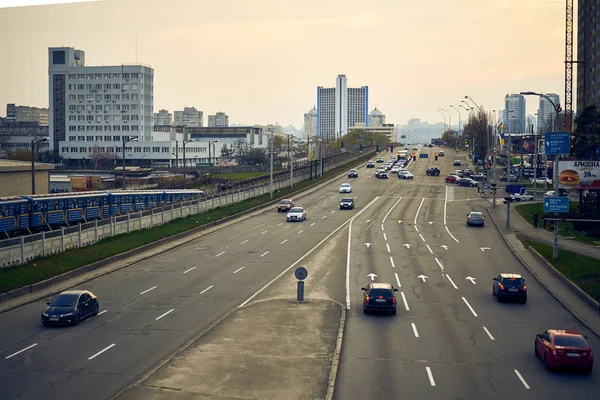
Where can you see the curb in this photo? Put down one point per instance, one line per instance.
(336, 357)
(560, 301)
(188, 236)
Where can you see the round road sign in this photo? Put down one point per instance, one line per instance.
(301, 273)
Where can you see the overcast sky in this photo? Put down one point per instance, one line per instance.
(260, 61)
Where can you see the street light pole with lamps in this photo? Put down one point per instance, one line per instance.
(184, 165)
(444, 116)
(125, 141)
(210, 143)
(472, 101)
(33, 144)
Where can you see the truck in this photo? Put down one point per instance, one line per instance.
(403, 156)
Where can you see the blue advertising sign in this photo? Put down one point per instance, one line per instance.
(557, 143)
(423, 155)
(556, 204)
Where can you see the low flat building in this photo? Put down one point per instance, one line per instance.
(386, 129)
(15, 178)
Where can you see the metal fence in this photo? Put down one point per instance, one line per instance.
(20, 250)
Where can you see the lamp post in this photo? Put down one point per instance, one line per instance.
(449, 118)
(184, 165)
(271, 166)
(125, 141)
(33, 144)
(291, 160)
(444, 116)
(472, 101)
(520, 141)
(210, 158)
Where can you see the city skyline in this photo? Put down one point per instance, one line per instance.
(443, 74)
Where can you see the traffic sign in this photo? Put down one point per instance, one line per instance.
(557, 143)
(556, 204)
(301, 273)
(423, 155)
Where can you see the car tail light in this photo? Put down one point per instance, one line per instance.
(393, 300)
(367, 298)
(501, 287)
(482, 218)
(525, 288)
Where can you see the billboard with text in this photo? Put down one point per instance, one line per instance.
(579, 174)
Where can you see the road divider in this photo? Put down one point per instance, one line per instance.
(147, 290)
(210, 287)
(21, 351)
(522, 379)
(102, 351)
(238, 270)
(488, 333)
(191, 269)
(405, 302)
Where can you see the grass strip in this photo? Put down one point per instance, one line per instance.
(581, 270)
(44, 268)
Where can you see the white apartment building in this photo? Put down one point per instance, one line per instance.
(220, 119)
(514, 106)
(91, 102)
(310, 123)
(189, 117)
(162, 117)
(546, 113)
(340, 107)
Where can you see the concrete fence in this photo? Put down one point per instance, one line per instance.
(20, 250)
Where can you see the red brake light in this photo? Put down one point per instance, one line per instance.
(501, 287)
(367, 299)
(393, 300)
(525, 287)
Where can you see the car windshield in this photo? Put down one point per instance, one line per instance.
(64, 300)
(345, 185)
(476, 216)
(296, 210)
(570, 341)
(386, 293)
(352, 170)
(513, 282)
(346, 200)
(284, 202)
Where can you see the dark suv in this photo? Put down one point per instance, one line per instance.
(347, 204)
(510, 286)
(379, 297)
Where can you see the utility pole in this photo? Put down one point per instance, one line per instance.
(291, 157)
(271, 173)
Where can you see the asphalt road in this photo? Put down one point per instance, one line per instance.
(152, 308)
(451, 339)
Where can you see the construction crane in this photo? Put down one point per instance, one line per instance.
(569, 68)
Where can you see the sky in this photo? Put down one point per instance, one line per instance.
(260, 61)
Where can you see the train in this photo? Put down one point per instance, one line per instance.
(48, 211)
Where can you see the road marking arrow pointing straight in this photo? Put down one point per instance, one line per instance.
(422, 277)
(430, 223)
(470, 278)
(368, 245)
(407, 246)
(484, 248)
(372, 275)
(445, 247)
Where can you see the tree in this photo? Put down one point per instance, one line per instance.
(586, 138)
(278, 142)
(100, 158)
(240, 151)
(478, 133)
(227, 153)
(256, 156)
(452, 139)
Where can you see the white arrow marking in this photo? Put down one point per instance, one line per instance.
(324, 216)
(470, 278)
(407, 245)
(422, 277)
(445, 247)
(368, 245)
(484, 248)
(372, 275)
(430, 223)
(399, 222)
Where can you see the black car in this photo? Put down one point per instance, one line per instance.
(379, 297)
(475, 218)
(353, 173)
(70, 307)
(467, 182)
(347, 204)
(382, 175)
(510, 286)
(456, 163)
(379, 160)
(433, 172)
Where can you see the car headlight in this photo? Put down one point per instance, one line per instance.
(66, 315)
(45, 315)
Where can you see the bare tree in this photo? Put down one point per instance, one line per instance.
(100, 158)
(478, 131)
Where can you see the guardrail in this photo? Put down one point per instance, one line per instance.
(20, 250)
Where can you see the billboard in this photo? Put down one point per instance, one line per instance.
(579, 174)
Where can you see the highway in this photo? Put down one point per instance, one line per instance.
(451, 339)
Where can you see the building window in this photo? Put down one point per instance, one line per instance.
(134, 97)
(107, 86)
(125, 96)
(72, 117)
(72, 77)
(156, 149)
(58, 57)
(165, 149)
(90, 138)
(80, 86)
(135, 75)
(134, 117)
(73, 149)
(106, 76)
(116, 76)
(72, 139)
(89, 128)
(72, 108)
(117, 138)
(125, 127)
(116, 97)
(126, 86)
(72, 128)
(98, 76)
(137, 149)
(134, 127)
(116, 127)
(81, 118)
(98, 86)
(83, 149)
(134, 107)
(72, 97)
(135, 86)
(125, 76)
(107, 127)
(117, 107)
(98, 97)
(146, 149)
(116, 86)
(65, 149)
(81, 138)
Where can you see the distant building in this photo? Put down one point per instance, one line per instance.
(340, 107)
(588, 72)
(376, 118)
(547, 113)
(310, 123)
(162, 117)
(16, 113)
(189, 117)
(220, 119)
(514, 105)
(385, 129)
(18, 136)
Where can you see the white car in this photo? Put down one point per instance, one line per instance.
(521, 196)
(551, 194)
(345, 188)
(540, 181)
(296, 214)
(405, 175)
(395, 169)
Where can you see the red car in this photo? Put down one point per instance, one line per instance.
(451, 179)
(564, 348)
(285, 205)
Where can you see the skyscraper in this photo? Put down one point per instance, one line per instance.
(588, 72)
(310, 123)
(376, 118)
(514, 106)
(340, 107)
(546, 113)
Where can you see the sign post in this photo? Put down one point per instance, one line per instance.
(301, 273)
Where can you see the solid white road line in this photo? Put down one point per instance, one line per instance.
(324, 216)
(262, 233)
(416, 228)
(101, 351)
(422, 238)
(397, 279)
(102, 312)
(146, 291)
(20, 351)
(167, 313)
(389, 211)
(488, 333)
(238, 270)
(384, 236)
(265, 253)
(439, 264)
(220, 254)
(312, 223)
(300, 231)
(414, 329)
(451, 281)
(418, 209)
(392, 261)
(388, 248)
(283, 241)
(348, 265)
(448, 230)
(431, 251)
(445, 204)
(522, 380)
(280, 224)
(245, 241)
(191, 269)
(470, 308)
(430, 375)
(285, 271)
(404, 300)
(210, 287)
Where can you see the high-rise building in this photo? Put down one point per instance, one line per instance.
(340, 107)
(588, 72)
(163, 118)
(514, 105)
(547, 113)
(376, 118)
(88, 103)
(310, 123)
(531, 123)
(16, 113)
(189, 117)
(220, 119)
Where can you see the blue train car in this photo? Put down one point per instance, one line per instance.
(174, 196)
(14, 214)
(61, 208)
(131, 201)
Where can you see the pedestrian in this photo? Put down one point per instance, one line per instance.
(536, 217)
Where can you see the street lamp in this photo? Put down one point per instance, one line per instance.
(475, 104)
(184, 166)
(125, 141)
(443, 115)
(33, 144)
(449, 118)
(291, 160)
(210, 157)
